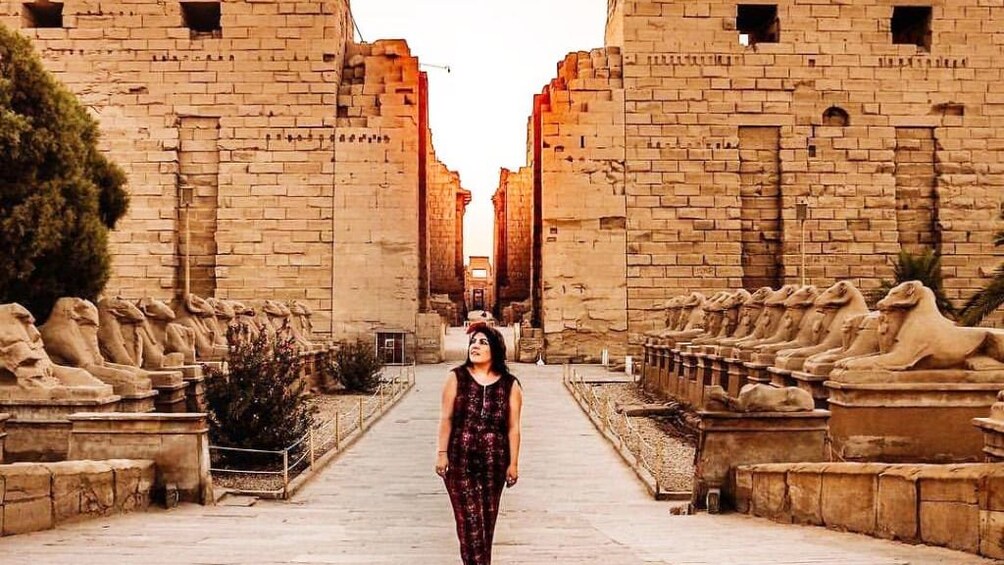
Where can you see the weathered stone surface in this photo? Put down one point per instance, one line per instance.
(949, 505)
(133, 481)
(897, 501)
(177, 443)
(81, 488)
(27, 500)
(805, 493)
(840, 509)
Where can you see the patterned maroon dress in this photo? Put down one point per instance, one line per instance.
(478, 455)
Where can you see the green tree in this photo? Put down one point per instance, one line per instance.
(990, 297)
(926, 268)
(59, 196)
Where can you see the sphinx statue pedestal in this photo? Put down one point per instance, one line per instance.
(993, 431)
(729, 439)
(38, 428)
(918, 416)
(814, 384)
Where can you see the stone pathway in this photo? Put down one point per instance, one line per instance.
(380, 502)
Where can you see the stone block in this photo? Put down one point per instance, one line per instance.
(134, 480)
(849, 496)
(742, 499)
(949, 505)
(27, 501)
(81, 488)
(897, 504)
(770, 493)
(805, 487)
(992, 534)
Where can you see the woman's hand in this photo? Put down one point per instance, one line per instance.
(442, 464)
(511, 475)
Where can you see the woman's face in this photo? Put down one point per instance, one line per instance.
(479, 350)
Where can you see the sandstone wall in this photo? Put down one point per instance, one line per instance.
(892, 145)
(583, 296)
(378, 256)
(238, 122)
(513, 200)
(447, 200)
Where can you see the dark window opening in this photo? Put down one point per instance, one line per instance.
(42, 14)
(836, 116)
(203, 18)
(758, 23)
(911, 25)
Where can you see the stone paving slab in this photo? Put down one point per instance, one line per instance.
(381, 503)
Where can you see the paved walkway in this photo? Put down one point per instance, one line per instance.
(380, 502)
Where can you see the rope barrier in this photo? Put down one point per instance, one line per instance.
(322, 437)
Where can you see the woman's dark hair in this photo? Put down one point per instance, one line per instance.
(496, 343)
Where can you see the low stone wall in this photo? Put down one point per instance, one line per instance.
(39, 496)
(177, 443)
(956, 506)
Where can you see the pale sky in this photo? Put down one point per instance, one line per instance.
(500, 53)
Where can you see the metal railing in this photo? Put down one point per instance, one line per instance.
(618, 427)
(272, 471)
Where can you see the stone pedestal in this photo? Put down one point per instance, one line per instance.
(177, 443)
(729, 439)
(993, 431)
(910, 416)
(39, 430)
(170, 399)
(737, 376)
(780, 378)
(757, 373)
(138, 402)
(814, 385)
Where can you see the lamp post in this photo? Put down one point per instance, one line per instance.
(801, 214)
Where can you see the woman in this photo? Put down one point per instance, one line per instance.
(479, 433)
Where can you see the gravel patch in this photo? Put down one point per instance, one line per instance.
(666, 436)
(345, 404)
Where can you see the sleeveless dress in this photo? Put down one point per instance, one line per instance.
(478, 455)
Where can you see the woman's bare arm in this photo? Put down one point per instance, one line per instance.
(515, 429)
(446, 412)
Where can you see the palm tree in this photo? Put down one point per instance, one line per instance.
(990, 297)
(926, 268)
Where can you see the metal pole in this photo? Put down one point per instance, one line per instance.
(802, 247)
(188, 244)
(360, 415)
(310, 438)
(337, 431)
(285, 472)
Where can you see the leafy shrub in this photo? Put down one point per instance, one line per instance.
(355, 365)
(59, 196)
(259, 404)
(926, 268)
